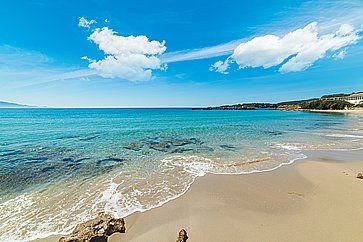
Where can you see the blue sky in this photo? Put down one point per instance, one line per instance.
(80, 53)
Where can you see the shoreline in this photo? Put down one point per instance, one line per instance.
(262, 206)
(348, 111)
(267, 206)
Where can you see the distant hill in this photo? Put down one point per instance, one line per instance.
(12, 105)
(296, 102)
(339, 95)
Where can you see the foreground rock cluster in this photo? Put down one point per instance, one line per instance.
(103, 226)
(96, 230)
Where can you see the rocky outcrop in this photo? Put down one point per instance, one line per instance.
(96, 230)
(182, 236)
(360, 176)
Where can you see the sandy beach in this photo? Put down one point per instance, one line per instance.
(358, 111)
(319, 199)
(311, 200)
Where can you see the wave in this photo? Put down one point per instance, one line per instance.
(344, 136)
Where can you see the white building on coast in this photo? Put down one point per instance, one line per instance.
(354, 98)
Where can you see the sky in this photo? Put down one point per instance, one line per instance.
(108, 53)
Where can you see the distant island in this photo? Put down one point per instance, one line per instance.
(13, 105)
(339, 101)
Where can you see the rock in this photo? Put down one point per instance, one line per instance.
(182, 236)
(360, 175)
(96, 230)
(134, 146)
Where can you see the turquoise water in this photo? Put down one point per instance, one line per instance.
(59, 167)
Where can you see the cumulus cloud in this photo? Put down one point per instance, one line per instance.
(296, 51)
(128, 57)
(84, 23)
(221, 66)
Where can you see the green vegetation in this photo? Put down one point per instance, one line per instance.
(313, 103)
(295, 102)
(326, 105)
(259, 105)
(336, 95)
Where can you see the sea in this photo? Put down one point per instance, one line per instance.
(60, 167)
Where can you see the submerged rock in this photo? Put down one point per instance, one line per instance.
(88, 138)
(96, 230)
(360, 175)
(134, 146)
(182, 237)
(110, 161)
(227, 147)
(164, 144)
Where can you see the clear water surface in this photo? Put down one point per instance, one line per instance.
(59, 167)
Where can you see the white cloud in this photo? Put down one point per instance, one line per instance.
(298, 49)
(340, 55)
(203, 53)
(221, 66)
(84, 23)
(313, 51)
(329, 14)
(132, 57)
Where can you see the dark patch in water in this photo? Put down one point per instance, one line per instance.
(274, 132)
(237, 125)
(68, 160)
(181, 150)
(160, 146)
(37, 159)
(164, 144)
(82, 159)
(11, 152)
(228, 147)
(88, 138)
(72, 160)
(110, 161)
(72, 164)
(47, 168)
(70, 137)
(134, 146)
(205, 149)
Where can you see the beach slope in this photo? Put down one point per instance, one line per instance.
(316, 200)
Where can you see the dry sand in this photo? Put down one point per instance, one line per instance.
(349, 111)
(315, 200)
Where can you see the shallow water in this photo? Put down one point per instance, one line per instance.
(59, 167)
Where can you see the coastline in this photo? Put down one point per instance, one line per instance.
(316, 199)
(348, 111)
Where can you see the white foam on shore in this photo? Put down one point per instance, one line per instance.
(344, 136)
